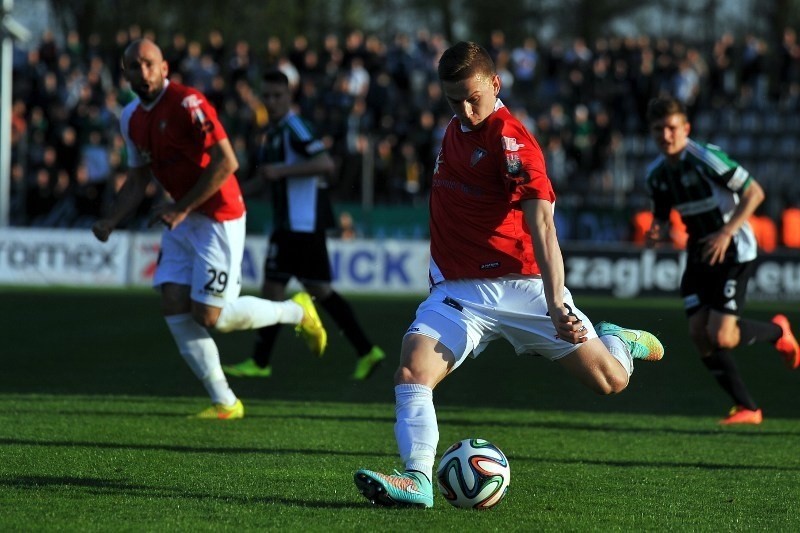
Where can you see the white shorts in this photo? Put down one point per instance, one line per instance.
(466, 315)
(205, 254)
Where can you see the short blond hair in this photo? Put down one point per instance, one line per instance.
(464, 60)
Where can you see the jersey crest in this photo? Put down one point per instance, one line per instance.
(477, 155)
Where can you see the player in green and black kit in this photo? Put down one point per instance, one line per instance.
(293, 161)
(715, 197)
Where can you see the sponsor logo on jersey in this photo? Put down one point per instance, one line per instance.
(510, 144)
(199, 119)
(452, 303)
(731, 304)
(489, 266)
(477, 155)
(191, 102)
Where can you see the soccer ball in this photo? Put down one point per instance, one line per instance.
(473, 474)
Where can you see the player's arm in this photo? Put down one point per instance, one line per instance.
(539, 217)
(660, 227)
(320, 164)
(130, 196)
(717, 243)
(223, 163)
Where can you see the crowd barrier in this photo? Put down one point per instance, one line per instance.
(32, 257)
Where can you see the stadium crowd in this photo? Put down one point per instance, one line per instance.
(378, 100)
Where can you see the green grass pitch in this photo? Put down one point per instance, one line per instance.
(94, 434)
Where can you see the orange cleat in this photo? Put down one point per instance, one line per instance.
(787, 344)
(742, 415)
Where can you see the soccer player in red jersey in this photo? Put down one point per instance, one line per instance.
(496, 271)
(172, 133)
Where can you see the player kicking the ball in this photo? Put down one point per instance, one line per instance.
(496, 271)
(172, 133)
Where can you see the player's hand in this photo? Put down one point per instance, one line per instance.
(715, 245)
(655, 235)
(102, 229)
(169, 215)
(568, 326)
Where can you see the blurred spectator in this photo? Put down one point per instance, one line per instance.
(503, 66)
(89, 197)
(347, 227)
(378, 97)
(240, 64)
(95, 161)
(524, 62)
(18, 210)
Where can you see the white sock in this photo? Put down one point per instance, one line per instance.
(619, 350)
(416, 430)
(249, 312)
(200, 352)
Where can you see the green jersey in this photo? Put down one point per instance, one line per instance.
(704, 188)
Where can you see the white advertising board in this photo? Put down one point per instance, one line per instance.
(62, 257)
(359, 266)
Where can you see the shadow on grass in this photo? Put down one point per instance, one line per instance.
(702, 465)
(745, 431)
(238, 450)
(113, 487)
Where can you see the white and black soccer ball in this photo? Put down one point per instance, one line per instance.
(473, 474)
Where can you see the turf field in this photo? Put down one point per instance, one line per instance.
(93, 434)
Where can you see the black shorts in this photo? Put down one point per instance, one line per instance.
(722, 287)
(301, 255)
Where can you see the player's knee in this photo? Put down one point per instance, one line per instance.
(723, 338)
(320, 291)
(612, 383)
(406, 375)
(207, 317)
(403, 374)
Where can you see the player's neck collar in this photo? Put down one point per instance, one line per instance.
(151, 105)
(497, 105)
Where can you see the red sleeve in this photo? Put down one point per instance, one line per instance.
(524, 173)
(204, 118)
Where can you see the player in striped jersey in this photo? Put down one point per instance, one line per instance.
(295, 164)
(715, 197)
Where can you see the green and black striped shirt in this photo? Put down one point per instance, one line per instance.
(704, 188)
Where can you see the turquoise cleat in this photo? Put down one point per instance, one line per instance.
(642, 345)
(406, 488)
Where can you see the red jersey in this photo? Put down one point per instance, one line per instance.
(477, 227)
(173, 135)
